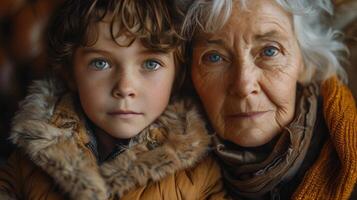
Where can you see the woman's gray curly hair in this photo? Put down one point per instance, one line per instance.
(321, 46)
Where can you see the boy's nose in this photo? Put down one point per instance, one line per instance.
(124, 87)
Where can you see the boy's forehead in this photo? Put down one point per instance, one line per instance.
(107, 31)
(104, 29)
(100, 34)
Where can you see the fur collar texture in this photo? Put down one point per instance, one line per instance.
(53, 136)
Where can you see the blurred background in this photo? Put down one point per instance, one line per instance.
(23, 57)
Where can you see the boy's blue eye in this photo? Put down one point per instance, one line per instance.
(151, 65)
(99, 64)
(270, 51)
(214, 57)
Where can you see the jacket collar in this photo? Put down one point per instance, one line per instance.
(53, 136)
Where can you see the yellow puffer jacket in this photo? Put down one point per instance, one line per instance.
(167, 160)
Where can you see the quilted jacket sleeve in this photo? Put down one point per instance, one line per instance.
(10, 178)
(207, 175)
(201, 182)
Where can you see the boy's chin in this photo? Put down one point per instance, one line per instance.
(122, 133)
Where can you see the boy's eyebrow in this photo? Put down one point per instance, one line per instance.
(142, 52)
(155, 51)
(92, 50)
(209, 41)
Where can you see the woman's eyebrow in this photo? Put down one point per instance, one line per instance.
(215, 41)
(269, 34)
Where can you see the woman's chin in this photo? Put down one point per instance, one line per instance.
(250, 137)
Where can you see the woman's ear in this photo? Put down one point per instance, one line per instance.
(303, 74)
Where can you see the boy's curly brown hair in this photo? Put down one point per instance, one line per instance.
(156, 23)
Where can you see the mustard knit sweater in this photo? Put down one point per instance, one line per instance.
(334, 174)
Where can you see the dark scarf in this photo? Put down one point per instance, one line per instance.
(252, 172)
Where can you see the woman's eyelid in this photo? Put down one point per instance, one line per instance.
(275, 46)
(224, 55)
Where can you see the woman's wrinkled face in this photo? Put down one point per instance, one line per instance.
(246, 73)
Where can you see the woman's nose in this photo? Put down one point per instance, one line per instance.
(124, 86)
(243, 81)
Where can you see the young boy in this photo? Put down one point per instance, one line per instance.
(109, 131)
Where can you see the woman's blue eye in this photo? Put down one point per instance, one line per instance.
(151, 65)
(270, 51)
(214, 57)
(99, 64)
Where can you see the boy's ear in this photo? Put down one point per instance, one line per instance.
(72, 85)
(70, 80)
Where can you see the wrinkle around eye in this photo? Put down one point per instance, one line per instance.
(214, 58)
(278, 47)
(277, 61)
(275, 52)
(222, 59)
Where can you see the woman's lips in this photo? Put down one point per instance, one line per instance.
(247, 115)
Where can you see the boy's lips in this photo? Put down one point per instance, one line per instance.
(124, 113)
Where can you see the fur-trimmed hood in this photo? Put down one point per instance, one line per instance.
(54, 137)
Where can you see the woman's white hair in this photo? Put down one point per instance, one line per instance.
(321, 46)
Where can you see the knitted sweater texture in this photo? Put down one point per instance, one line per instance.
(334, 174)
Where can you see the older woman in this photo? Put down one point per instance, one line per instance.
(268, 75)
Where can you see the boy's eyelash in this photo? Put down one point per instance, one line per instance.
(155, 59)
(93, 61)
(158, 61)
